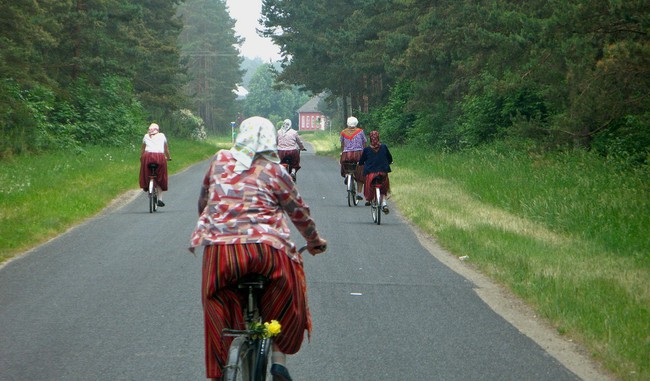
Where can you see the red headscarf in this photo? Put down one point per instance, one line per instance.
(374, 140)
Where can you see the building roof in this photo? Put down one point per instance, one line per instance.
(311, 105)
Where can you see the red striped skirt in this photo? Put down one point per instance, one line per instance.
(161, 172)
(284, 299)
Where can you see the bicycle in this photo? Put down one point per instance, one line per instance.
(248, 354)
(287, 163)
(349, 167)
(153, 187)
(377, 200)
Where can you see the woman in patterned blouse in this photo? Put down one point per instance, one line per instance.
(243, 228)
(353, 141)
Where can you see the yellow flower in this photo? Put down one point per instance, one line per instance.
(273, 328)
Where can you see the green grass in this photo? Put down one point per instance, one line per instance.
(568, 233)
(324, 142)
(42, 196)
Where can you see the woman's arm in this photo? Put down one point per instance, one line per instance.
(167, 155)
(203, 194)
(388, 155)
(299, 142)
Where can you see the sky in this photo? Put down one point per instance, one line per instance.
(246, 13)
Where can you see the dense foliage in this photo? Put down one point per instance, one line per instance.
(78, 72)
(460, 73)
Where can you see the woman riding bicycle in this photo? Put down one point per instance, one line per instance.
(289, 146)
(353, 141)
(243, 228)
(154, 150)
(376, 160)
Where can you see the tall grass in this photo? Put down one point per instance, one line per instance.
(567, 232)
(42, 196)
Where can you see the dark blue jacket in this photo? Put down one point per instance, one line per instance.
(376, 161)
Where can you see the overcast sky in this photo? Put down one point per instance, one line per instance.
(246, 13)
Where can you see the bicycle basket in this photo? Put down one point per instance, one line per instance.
(349, 166)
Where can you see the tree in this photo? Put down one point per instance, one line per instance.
(265, 98)
(208, 44)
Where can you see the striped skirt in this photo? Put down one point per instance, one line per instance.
(284, 299)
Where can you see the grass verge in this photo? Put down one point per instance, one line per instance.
(568, 233)
(42, 196)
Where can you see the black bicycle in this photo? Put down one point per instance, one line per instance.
(287, 163)
(153, 187)
(249, 352)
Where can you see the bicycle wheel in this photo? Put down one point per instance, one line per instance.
(378, 198)
(152, 202)
(374, 210)
(351, 196)
(240, 360)
(262, 354)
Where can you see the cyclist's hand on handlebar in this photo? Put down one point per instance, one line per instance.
(317, 247)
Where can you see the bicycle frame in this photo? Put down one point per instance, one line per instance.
(248, 355)
(287, 163)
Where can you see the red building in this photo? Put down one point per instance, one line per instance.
(310, 118)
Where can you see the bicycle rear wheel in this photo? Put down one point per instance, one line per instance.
(378, 198)
(152, 197)
(374, 210)
(352, 197)
(240, 360)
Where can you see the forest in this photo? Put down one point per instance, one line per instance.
(444, 74)
(452, 74)
(97, 72)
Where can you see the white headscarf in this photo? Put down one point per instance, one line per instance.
(153, 129)
(257, 137)
(286, 126)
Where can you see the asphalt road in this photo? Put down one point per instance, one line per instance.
(118, 298)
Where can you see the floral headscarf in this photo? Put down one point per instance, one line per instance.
(374, 140)
(256, 138)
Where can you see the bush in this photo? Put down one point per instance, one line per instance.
(628, 139)
(184, 124)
